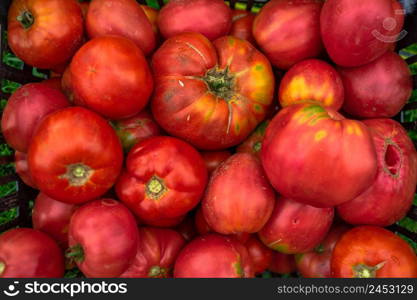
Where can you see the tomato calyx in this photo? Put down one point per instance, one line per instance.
(393, 158)
(77, 174)
(155, 188)
(220, 83)
(319, 249)
(158, 272)
(365, 271)
(2, 267)
(257, 146)
(239, 269)
(26, 19)
(75, 253)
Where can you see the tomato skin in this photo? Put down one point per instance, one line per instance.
(53, 218)
(54, 82)
(152, 15)
(54, 36)
(390, 196)
(242, 22)
(108, 235)
(22, 168)
(116, 91)
(282, 263)
(316, 263)
(213, 256)
(253, 144)
(238, 198)
(164, 179)
(24, 111)
(312, 80)
(260, 254)
(390, 90)
(214, 159)
(289, 31)
(84, 165)
(212, 100)
(124, 18)
(305, 142)
(371, 246)
(30, 253)
(212, 18)
(156, 253)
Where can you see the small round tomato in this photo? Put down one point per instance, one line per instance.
(253, 144)
(75, 155)
(44, 33)
(370, 251)
(103, 238)
(164, 179)
(22, 168)
(29, 253)
(214, 159)
(260, 254)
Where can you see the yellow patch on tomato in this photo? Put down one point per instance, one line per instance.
(358, 130)
(321, 134)
(296, 90)
(350, 129)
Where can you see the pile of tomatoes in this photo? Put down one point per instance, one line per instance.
(197, 141)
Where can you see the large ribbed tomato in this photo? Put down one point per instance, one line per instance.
(211, 96)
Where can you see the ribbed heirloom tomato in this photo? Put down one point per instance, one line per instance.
(211, 95)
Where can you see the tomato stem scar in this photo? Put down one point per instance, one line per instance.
(26, 19)
(155, 187)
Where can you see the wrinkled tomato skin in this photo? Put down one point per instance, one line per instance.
(390, 81)
(54, 36)
(295, 227)
(211, 18)
(124, 18)
(355, 34)
(186, 106)
(116, 91)
(308, 155)
(213, 256)
(78, 137)
(288, 31)
(390, 196)
(24, 111)
(164, 179)
(156, 253)
(52, 217)
(30, 253)
(282, 263)
(242, 22)
(373, 245)
(238, 198)
(316, 263)
(107, 232)
(312, 80)
(253, 144)
(214, 159)
(22, 168)
(260, 254)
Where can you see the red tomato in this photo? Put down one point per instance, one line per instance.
(22, 168)
(164, 179)
(214, 159)
(75, 156)
(316, 263)
(238, 198)
(54, 82)
(317, 157)
(282, 263)
(24, 111)
(213, 256)
(135, 129)
(253, 144)
(260, 254)
(212, 97)
(370, 251)
(124, 18)
(44, 33)
(29, 253)
(116, 90)
(212, 18)
(156, 253)
(53, 218)
(103, 238)
(242, 22)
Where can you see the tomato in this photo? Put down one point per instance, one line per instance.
(152, 15)
(156, 253)
(390, 196)
(164, 179)
(214, 159)
(253, 144)
(238, 198)
(24, 111)
(312, 80)
(103, 238)
(75, 156)
(53, 218)
(282, 263)
(212, 18)
(135, 129)
(54, 82)
(370, 251)
(288, 31)
(117, 90)
(210, 96)
(295, 227)
(124, 18)
(316, 156)
(242, 22)
(378, 89)
(213, 256)
(187, 228)
(260, 254)
(355, 34)
(44, 33)
(316, 263)
(29, 253)
(22, 168)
